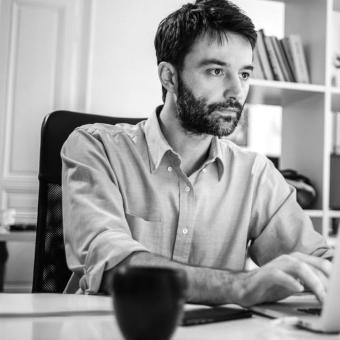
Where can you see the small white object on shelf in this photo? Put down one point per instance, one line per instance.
(336, 71)
(7, 217)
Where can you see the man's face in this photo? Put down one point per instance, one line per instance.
(213, 84)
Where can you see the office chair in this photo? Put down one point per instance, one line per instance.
(50, 274)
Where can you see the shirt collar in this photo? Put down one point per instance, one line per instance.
(157, 144)
(216, 155)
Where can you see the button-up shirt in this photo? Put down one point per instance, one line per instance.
(124, 191)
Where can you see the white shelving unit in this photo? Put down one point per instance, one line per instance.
(307, 108)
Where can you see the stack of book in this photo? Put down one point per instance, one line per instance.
(280, 59)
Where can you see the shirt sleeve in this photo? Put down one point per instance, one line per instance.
(280, 226)
(97, 235)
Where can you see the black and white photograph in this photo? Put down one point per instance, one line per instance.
(169, 169)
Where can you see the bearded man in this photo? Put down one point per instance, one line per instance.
(171, 191)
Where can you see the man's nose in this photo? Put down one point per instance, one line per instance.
(233, 87)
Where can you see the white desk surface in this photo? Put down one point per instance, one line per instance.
(90, 317)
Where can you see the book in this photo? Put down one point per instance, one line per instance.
(274, 62)
(294, 45)
(258, 69)
(267, 70)
(288, 60)
(281, 59)
(336, 133)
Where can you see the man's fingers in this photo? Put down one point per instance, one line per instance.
(288, 274)
(311, 278)
(270, 284)
(279, 285)
(285, 280)
(311, 272)
(319, 263)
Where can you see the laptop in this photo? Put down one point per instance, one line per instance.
(305, 307)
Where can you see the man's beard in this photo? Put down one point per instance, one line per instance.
(197, 117)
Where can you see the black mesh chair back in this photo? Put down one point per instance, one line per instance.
(51, 273)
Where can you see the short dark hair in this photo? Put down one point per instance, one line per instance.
(177, 32)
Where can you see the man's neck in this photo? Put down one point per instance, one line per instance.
(192, 148)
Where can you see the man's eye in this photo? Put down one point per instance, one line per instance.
(216, 72)
(245, 75)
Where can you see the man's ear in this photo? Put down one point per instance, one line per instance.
(168, 76)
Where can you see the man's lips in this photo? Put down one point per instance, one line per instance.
(229, 114)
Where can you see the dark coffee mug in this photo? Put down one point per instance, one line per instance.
(148, 301)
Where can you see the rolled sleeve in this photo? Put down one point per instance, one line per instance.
(280, 224)
(97, 235)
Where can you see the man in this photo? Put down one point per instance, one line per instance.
(170, 192)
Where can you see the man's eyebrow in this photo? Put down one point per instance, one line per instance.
(214, 61)
(210, 61)
(248, 67)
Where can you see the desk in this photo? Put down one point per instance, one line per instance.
(91, 317)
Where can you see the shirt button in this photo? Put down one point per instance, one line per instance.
(185, 231)
(169, 168)
(187, 189)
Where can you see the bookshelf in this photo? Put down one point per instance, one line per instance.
(307, 108)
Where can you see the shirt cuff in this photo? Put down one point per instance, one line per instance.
(107, 250)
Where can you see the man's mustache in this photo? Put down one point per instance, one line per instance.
(229, 104)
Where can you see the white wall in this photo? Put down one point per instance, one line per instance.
(40, 71)
(123, 72)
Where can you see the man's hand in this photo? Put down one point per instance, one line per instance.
(282, 277)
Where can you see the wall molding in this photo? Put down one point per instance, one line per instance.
(17, 15)
(44, 67)
(65, 44)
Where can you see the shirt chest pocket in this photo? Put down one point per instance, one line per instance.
(147, 230)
